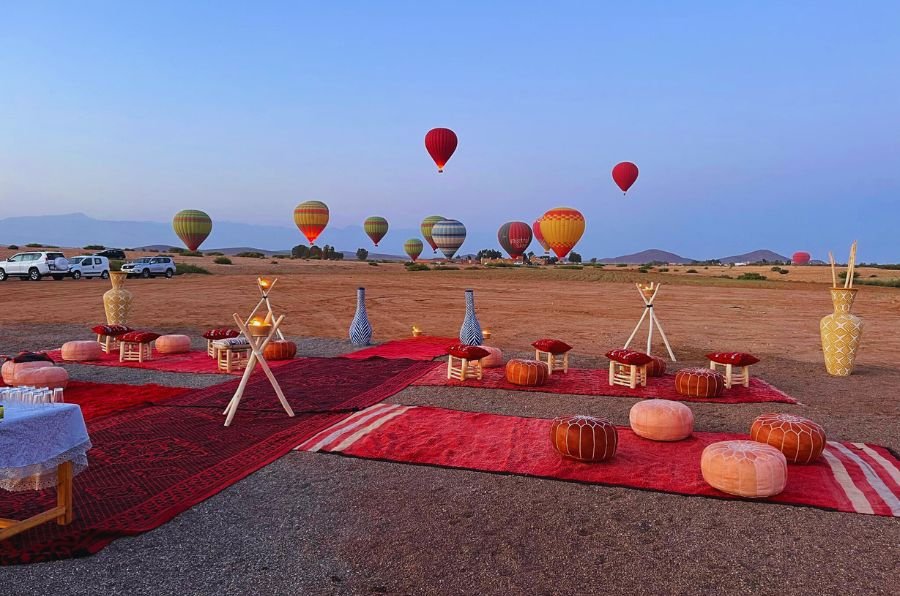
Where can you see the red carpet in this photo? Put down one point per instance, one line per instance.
(583, 381)
(414, 348)
(150, 463)
(99, 399)
(190, 362)
(851, 477)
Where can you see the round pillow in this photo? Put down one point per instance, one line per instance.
(173, 344)
(656, 367)
(280, 349)
(11, 370)
(52, 377)
(800, 440)
(623, 356)
(554, 346)
(529, 373)
(585, 438)
(81, 351)
(733, 358)
(744, 468)
(661, 420)
(494, 359)
(699, 382)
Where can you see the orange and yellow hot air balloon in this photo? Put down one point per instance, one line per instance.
(192, 226)
(311, 218)
(562, 228)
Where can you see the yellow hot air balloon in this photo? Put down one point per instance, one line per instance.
(562, 228)
(311, 218)
(192, 226)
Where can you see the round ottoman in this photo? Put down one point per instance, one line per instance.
(529, 373)
(744, 468)
(173, 344)
(661, 420)
(585, 438)
(280, 349)
(800, 440)
(81, 351)
(52, 377)
(656, 367)
(492, 360)
(11, 370)
(699, 382)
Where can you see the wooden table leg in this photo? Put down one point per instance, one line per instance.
(64, 492)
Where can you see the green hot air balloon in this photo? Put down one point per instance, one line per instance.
(427, 226)
(192, 226)
(413, 248)
(375, 227)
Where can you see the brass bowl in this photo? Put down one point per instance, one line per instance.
(260, 330)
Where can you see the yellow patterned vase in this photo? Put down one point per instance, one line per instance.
(117, 301)
(841, 332)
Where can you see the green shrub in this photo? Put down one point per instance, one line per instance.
(273, 262)
(223, 260)
(417, 267)
(473, 268)
(621, 264)
(191, 253)
(281, 256)
(724, 277)
(751, 276)
(643, 270)
(843, 274)
(445, 268)
(12, 247)
(499, 265)
(775, 269)
(373, 264)
(215, 254)
(178, 249)
(784, 272)
(182, 268)
(665, 270)
(116, 265)
(570, 266)
(93, 247)
(34, 245)
(885, 283)
(251, 255)
(691, 271)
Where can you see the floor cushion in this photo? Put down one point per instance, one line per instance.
(138, 337)
(52, 377)
(584, 438)
(800, 440)
(554, 346)
(173, 344)
(744, 468)
(12, 369)
(528, 373)
(623, 356)
(280, 349)
(699, 382)
(468, 352)
(494, 359)
(733, 358)
(656, 367)
(81, 351)
(661, 420)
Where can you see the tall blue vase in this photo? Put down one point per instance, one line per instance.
(470, 332)
(360, 328)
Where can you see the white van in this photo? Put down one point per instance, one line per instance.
(88, 266)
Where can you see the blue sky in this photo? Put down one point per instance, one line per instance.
(765, 125)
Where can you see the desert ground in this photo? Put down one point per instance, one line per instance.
(312, 523)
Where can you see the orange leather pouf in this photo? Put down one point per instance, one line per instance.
(585, 438)
(699, 382)
(661, 420)
(52, 377)
(800, 440)
(173, 344)
(529, 373)
(280, 349)
(81, 351)
(656, 367)
(744, 468)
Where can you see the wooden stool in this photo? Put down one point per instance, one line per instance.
(211, 349)
(627, 375)
(232, 358)
(467, 369)
(132, 351)
(733, 374)
(553, 361)
(108, 343)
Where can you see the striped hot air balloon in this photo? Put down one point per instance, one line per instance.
(562, 228)
(440, 144)
(375, 227)
(311, 218)
(192, 226)
(449, 235)
(514, 237)
(413, 248)
(539, 236)
(427, 226)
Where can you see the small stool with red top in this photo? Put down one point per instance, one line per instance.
(108, 336)
(556, 353)
(736, 365)
(464, 362)
(214, 334)
(136, 346)
(628, 368)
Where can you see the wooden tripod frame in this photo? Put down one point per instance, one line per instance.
(265, 287)
(650, 315)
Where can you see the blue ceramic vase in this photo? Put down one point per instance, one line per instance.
(360, 328)
(470, 332)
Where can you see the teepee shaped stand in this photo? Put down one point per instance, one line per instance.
(648, 295)
(265, 288)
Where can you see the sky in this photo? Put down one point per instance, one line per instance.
(755, 125)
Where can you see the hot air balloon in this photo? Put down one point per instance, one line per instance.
(426, 227)
(413, 248)
(539, 236)
(514, 237)
(562, 228)
(440, 143)
(375, 227)
(311, 218)
(192, 227)
(449, 235)
(625, 174)
(800, 258)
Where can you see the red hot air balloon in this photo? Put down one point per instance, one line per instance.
(800, 258)
(440, 143)
(624, 174)
(539, 236)
(514, 237)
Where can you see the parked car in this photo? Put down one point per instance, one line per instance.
(34, 266)
(150, 267)
(88, 266)
(111, 253)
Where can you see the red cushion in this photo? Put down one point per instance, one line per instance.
(31, 357)
(139, 337)
(468, 352)
(554, 346)
(221, 333)
(624, 356)
(111, 330)
(733, 358)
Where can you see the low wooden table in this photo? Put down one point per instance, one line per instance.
(62, 513)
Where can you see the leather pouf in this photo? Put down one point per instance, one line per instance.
(744, 468)
(585, 438)
(494, 359)
(81, 351)
(280, 349)
(800, 440)
(52, 377)
(699, 382)
(661, 420)
(11, 370)
(173, 344)
(656, 367)
(528, 373)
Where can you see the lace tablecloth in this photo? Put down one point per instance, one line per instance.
(35, 439)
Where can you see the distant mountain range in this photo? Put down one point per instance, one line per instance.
(661, 256)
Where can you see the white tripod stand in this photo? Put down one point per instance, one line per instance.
(648, 295)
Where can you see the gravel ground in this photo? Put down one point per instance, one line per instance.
(325, 524)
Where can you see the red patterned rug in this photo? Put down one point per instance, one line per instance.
(100, 399)
(197, 362)
(584, 381)
(850, 477)
(414, 348)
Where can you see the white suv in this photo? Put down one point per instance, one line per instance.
(150, 267)
(34, 266)
(88, 266)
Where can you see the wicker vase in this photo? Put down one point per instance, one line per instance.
(117, 301)
(360, 328)
(841, 332)
(470, 332)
